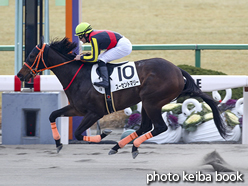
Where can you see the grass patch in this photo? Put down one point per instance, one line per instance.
(155, 22)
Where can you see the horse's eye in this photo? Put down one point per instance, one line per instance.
(31, 57)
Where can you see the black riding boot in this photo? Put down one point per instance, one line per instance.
(104, 74)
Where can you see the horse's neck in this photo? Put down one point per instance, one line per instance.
(64, 73)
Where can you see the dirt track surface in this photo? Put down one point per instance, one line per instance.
(90, 164)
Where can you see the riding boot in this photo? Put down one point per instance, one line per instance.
(104, 74)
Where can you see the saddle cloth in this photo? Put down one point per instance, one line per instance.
(122, 75)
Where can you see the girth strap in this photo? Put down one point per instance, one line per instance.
(109, 100)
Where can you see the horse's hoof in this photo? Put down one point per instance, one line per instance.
(59, 148)
(135, 154)
(112, 151)
(107, 131)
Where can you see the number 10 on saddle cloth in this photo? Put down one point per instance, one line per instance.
(122, 77)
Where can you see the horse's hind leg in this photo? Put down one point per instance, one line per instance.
(159, 127)
(146, 125)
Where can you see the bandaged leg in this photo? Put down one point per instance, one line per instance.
(141, 139)
(127, 139)
(123, 142)
(95, 139)
(55, 131)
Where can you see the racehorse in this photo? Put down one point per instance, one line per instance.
(160, 83)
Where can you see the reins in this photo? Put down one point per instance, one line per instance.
(38, 58)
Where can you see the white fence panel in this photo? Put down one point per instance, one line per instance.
(207, 83)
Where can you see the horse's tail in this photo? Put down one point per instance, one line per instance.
(192, 90)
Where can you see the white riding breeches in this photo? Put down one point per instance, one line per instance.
(122, 49)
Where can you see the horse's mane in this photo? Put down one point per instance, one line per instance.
(64, 47)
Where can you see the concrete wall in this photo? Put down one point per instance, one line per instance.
(16, 105)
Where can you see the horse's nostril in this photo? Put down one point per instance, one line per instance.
(20, 76)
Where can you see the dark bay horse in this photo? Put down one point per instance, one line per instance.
(161, 82)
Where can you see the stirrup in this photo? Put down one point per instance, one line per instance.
(102, 84)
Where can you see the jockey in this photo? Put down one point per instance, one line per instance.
(115, 45)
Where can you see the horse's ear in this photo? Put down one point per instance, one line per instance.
(42, 40)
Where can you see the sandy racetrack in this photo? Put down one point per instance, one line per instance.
(90, 164)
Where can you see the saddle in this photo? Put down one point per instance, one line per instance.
(110, 67)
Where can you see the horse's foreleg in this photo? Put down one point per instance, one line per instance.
(89, 119)
(146, 125)
(65, 111)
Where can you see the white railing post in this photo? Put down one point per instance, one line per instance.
(245, 117)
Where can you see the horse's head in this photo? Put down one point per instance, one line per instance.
(34, 63)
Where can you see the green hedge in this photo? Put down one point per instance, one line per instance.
(236, 92)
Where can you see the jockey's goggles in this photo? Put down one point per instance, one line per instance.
(81, 36)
